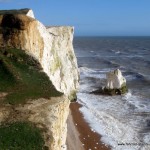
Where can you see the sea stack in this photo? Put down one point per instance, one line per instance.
(115, 84)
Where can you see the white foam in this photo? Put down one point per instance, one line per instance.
(103, 121)
(147, 138)
(138, 102)
(94, 73)
(117, 52)
(119, 119)
(130, 77)
(85, 69)
(110, 117)
(132, 56)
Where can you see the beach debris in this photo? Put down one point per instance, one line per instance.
(115, 84)
(93, 130)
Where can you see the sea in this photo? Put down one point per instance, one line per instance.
(122, 121)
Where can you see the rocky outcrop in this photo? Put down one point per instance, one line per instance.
(115, 80)
(116, 83)
(49, 115)
(52, 47)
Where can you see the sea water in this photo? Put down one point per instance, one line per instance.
(122, 121)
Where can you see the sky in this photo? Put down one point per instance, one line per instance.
(91, 17)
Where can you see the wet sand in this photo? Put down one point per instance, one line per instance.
(80, 135)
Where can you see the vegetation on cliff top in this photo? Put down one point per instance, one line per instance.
(22, 78)
(20, 136)
(14, 11)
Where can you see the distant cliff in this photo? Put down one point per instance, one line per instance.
(38, 75)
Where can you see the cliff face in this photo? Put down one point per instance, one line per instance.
(52, 48)
(27, 95)
(63, 69)
(49, 115)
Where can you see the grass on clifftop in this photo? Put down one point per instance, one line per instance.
(20, 136)
(14, 11)
(22, 78)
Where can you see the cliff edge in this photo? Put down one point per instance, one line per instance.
(52, 47)
(38, 78)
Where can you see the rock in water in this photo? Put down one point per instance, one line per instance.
(115, 80)
(116, 83)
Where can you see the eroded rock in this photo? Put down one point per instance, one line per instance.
(116, 83)
(115, 80)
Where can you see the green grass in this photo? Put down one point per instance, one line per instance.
(20, 136)
(14, 11)
(22, 78)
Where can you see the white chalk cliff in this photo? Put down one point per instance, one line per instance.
(62, 69)
(52, 47)
(115, 80)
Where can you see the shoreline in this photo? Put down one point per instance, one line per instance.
(86, 138)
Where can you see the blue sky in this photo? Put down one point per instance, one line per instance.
(91, 17)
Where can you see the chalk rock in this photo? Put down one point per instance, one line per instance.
(115, 84)
(115, 80)
(51, 46)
